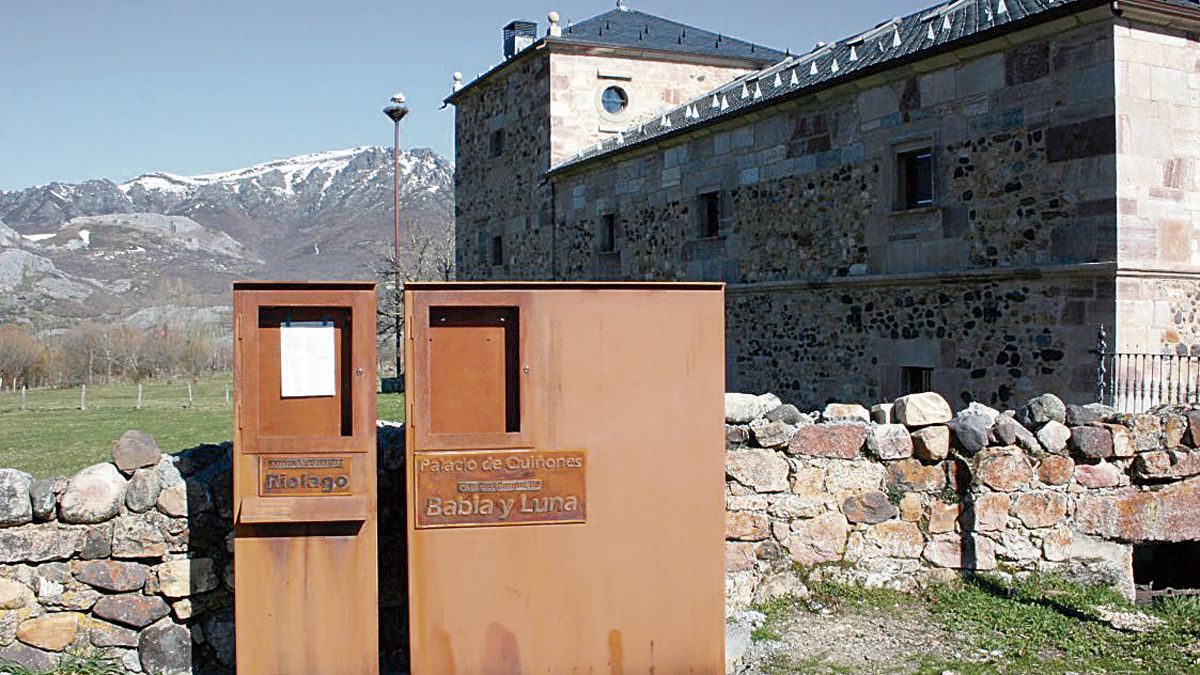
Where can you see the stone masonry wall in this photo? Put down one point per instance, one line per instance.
(1158, 188)
(991, 340)
(577, 119)
(502, 195)
(1024, 175)
(909, 492)
(834, 285)
(548, 107)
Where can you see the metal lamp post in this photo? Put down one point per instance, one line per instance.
(396, 110)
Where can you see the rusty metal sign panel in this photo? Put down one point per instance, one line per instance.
(501, 487)
(307, 476)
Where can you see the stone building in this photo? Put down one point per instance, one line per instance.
(952, 200)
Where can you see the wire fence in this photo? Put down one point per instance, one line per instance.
(206, 393)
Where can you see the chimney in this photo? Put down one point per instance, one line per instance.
(517, 36)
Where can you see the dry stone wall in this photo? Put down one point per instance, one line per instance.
(910, 492)
(133, 559)
(130, 558)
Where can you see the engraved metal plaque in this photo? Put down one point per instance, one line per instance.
(500, 487)
(304, 476)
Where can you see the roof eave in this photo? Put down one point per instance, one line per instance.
(601, 48)
(519, 56)
(1159, 13)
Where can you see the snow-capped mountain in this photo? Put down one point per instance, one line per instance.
(322, 215)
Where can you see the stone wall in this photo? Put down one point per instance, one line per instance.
(546, 103)
(500, 194)
(577, 120)
(909, 492)
(133, 559)
(1015, 257)
(1158, 188)
(993, 340)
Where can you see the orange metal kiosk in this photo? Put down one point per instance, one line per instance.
(565, 459)
(304, 478)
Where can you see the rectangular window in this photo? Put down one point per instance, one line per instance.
(607, 240)
(915, 380)
(497, 142)
(481, 242)
(497, 250)
(914, 171)
(709, 208)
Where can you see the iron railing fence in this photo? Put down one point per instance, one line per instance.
(1134, 382)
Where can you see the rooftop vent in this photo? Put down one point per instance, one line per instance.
(517, 36)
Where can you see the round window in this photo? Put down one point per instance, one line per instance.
(614, 100)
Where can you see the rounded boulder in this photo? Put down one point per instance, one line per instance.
(93, 495)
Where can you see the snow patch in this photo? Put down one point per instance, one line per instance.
(38, 237)
(86, 237)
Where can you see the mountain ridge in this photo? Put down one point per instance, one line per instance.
(318, 215)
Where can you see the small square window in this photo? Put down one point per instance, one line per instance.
(607, 240)
(710, 214)
(914, 173)
(497, 142)
(915, 380)
(497, 250)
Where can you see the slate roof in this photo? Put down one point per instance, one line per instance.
(637, 30)
(630, 29)
(941, 28)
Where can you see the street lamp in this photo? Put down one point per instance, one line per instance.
(396, 110)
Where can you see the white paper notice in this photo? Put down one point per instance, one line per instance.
(306, 360)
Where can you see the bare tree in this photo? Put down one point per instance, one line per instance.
(20, 355)
(426, 254)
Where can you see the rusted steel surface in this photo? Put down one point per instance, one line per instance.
(504, 487)
(466, 366)
(307, 476)
(631, 375)
(305, 535)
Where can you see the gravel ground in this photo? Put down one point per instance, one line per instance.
(891, 640)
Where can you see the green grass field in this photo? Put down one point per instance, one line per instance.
(54, 437)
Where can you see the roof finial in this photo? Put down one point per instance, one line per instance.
(457, 81)
(622, 6)
(555, 30)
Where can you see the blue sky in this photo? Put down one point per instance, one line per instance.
(114, 88)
